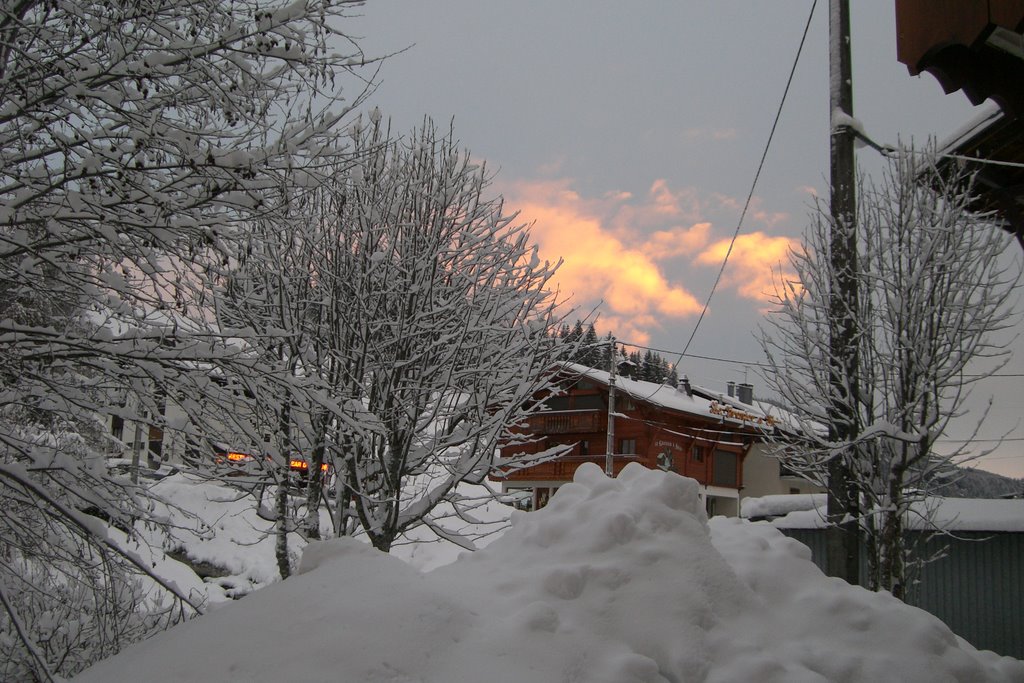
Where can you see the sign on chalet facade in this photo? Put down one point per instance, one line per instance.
(687, 430)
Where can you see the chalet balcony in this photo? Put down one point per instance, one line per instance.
(562, 469)
(567, 422)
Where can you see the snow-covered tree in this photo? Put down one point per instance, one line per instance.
(431, 333)
(136, 141)
(934, 286)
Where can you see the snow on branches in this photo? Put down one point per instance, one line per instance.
(934, 286)
(136, 142)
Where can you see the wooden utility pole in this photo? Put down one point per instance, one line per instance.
(609, 447)
(843, 505)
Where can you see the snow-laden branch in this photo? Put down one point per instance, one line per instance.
(933, 288)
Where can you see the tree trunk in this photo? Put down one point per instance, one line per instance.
(314, 485)
(892, 566)
(281, 529)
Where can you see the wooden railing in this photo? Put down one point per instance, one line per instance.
(564, 467)
(566, 422)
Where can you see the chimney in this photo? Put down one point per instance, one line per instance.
(684, 385)
(731, 388)
(745, 393)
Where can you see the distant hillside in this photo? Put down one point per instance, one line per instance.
(975, 483)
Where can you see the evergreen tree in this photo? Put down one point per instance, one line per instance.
(648, 367)
(590, 352)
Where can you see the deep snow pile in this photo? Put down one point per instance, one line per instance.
(614, 581)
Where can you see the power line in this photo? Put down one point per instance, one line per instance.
(760, 364)
(1013, 438)
(889, 151)
(757, 176)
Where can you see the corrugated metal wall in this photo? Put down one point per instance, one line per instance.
(976, 588)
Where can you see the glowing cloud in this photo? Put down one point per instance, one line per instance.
(598, 265)
(619, 249)
(756, 261)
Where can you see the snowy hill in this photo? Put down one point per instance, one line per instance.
(975, 483)
(614, 581)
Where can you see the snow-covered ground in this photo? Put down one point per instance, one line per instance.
(218, 524)
(616, 580)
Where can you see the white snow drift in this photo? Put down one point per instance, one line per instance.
(616, 580)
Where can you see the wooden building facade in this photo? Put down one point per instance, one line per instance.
(659, 426)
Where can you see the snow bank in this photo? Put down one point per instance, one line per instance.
(614, 581)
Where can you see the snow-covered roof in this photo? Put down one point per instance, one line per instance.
(807, 511)
(780, 505)
(717, 407)
(989, 113)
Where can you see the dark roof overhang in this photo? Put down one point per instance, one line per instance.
(970, 45)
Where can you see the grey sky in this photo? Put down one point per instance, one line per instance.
(576, 103)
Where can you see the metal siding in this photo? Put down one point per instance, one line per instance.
(976, 588)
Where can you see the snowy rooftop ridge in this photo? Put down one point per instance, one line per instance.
(807, 511)
(718, 407)
(988, 113)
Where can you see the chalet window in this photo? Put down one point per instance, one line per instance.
(624, 403)
(557, 402)
(117, 427)
(697, 453)
(627, 447)
(724, 473)
(589, 402)
(584, 448)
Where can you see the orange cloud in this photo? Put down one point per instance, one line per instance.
(598, 264)
(754, 211)
(617, 248)
(756, 262)
(634, 329)
(679, 241)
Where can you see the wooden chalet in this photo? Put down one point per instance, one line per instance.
(692, 432)
(976, 46)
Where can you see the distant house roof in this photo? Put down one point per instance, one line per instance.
(701, 402)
